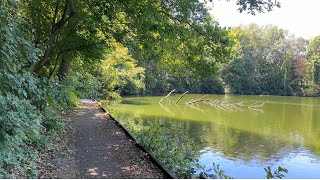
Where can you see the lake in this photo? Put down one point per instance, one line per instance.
(243, 134)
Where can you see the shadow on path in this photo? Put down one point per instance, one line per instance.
(103, 150)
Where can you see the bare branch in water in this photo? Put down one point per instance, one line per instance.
(167, 95)
(197, 100)
(181, 96)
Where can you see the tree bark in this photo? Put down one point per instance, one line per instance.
(64, 68)
(68, 13)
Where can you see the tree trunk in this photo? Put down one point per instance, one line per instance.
(64, 68)
(67, 14)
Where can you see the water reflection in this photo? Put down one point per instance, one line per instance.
(286, 132)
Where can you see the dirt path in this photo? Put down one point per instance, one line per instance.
(100, 149)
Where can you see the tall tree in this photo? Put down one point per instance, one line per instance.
(270, 62)
(66, 28)
(313, 55)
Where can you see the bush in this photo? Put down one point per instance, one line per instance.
(20, 134)
(26, 121)
(176, 153)
(52, 122)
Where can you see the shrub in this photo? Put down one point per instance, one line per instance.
(26, 121)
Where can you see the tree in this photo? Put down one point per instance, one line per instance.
(253, 6)
(64, 29)
(256, 70)
(24, 124)
(75, 40)
(119, 73)
(313, 56)
(269, 62)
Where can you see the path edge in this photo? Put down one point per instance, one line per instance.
(163, 167)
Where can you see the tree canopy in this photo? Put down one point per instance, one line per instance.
(66, 29)
(271, 62)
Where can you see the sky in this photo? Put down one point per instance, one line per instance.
(300, 17)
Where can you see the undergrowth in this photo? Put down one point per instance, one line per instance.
(30, 104)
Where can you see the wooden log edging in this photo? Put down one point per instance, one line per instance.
(152, 157)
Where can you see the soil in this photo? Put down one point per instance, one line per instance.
(93, 146)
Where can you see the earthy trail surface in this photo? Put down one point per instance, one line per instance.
(101, 149)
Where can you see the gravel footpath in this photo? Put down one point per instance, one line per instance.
(101, 149)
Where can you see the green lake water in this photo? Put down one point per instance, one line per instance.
(284, 131)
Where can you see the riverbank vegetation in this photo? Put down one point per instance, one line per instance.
(180, 153)
(54, 52)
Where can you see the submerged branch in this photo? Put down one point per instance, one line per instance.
(165, 108)
(196, 108)
(197, 100)
(181, 96)
(256, 105)
(226, 105)
(167, 95)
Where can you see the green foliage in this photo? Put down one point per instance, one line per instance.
(24, 131)
(277, 174)
(253, 6)
(179, 37)
(119, 73)
(97, 48)
(263, 61)
(88, 86)
(197, 85)
(176, 153)
(52, 122)
(219, 173)
(20, 124)
(159, 81)
(25, 122)
(58, 95)
(268, 63)
(313, 56)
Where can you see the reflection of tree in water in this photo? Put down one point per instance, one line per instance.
(247, 146)
(232, 143)
(314, 131)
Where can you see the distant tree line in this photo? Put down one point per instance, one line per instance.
(271, 62)
(262, 60)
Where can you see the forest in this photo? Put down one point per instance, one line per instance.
(52, 53)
